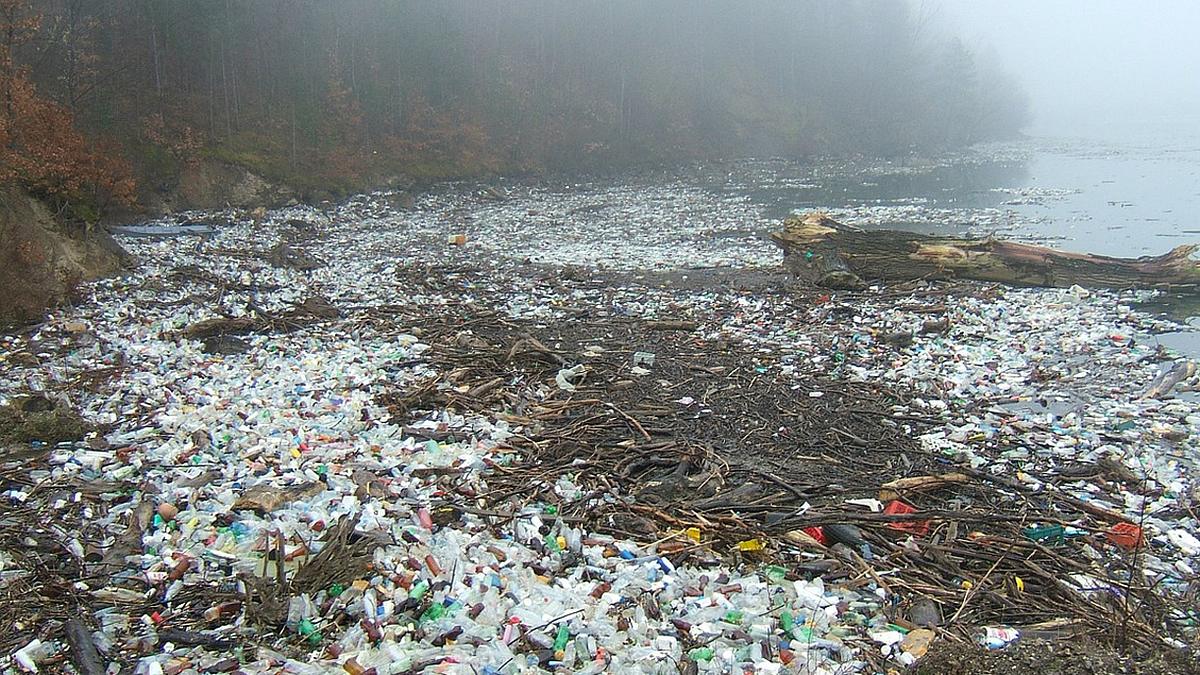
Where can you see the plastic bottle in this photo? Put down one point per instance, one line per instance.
(424, 519)
(370, 603)
(560, 640)
(787, 622)
(574, 539)
(309, 631)
(296, 613)
(29, 655)
(997, 637)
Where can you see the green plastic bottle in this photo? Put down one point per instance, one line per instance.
(787, 622)
(309, 631)
(776, 574)
(434, 613)
(560, 638)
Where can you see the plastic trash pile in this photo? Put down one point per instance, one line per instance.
(227, 473)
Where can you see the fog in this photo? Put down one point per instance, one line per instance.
(1106, 69)
(530, 337)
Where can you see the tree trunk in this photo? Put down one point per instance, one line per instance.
(828, 253)
(8, 71)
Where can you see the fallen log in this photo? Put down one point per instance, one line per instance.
(831, 254)
(83, 652)
(313, 307)
(1166, 380)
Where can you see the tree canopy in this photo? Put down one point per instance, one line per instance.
(350, 91)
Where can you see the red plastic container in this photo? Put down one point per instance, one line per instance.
(919, 528)
(1126, 535)
(817, 532)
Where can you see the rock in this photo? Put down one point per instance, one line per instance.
(935, 326)
(299, 224)
(494, 194)
(318, 308)
(98, 443)
(213, 184)
(42, 421)
(899, 338)
(220, 326)
(401, 200)
(201, 439)
(842, 280)
(36, 403)
(284, 255)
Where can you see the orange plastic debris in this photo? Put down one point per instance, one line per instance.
(1126, 535)
(918, 527)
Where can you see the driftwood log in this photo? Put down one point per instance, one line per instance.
(828, 253)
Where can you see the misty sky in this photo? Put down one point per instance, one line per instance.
(1106, 69)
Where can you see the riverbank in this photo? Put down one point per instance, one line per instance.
(44, 261)
(525, 426)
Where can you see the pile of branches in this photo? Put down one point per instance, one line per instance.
(708, 437)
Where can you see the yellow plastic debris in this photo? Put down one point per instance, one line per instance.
(693, 533)
(750, 545)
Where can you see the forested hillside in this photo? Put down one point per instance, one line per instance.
(328, 96)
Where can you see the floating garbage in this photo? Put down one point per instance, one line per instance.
(917, 527)
(1126, 535)
(428, 475)
(999, 637)
(643, 359)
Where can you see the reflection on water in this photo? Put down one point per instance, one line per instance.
(969, 183)
(1181, 308)
(1120, 201)
(1129, 202)
(1184, 342)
